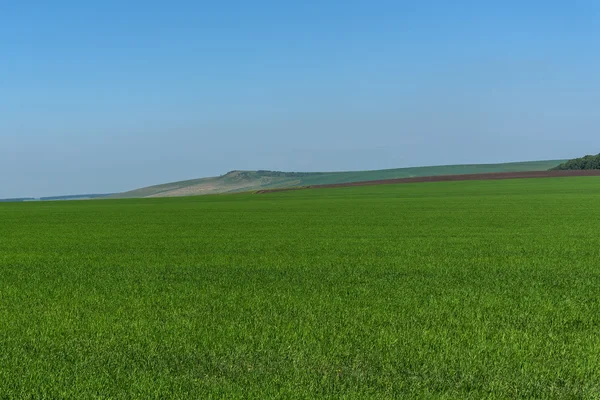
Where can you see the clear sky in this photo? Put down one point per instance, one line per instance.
(106, 96)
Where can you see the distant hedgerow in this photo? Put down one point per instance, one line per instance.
(587, 162)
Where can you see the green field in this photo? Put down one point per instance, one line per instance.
(241, 181)
(481, 289)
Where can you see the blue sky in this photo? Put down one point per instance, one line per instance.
(107, 96)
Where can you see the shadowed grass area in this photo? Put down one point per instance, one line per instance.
(482, 289)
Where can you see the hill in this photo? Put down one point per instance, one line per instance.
(240, 181)
(583, 163)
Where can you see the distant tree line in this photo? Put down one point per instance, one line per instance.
(263, 172)
(74, 197)
(587, 162)
(17, 199)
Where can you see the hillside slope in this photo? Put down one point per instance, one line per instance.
(240, 181)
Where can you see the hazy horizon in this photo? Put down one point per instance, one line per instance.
(258, 169)
(104, 98)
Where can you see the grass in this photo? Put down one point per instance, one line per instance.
(483, 289)
(240, 181)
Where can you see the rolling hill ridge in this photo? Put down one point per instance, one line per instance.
(242, 181)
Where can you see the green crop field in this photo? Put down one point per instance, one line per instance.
(483, 289)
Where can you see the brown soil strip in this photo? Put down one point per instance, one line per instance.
(446, 178)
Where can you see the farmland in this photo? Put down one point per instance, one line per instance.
(474, 289)
(243, 181)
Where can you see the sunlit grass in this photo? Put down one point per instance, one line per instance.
(456, 290)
